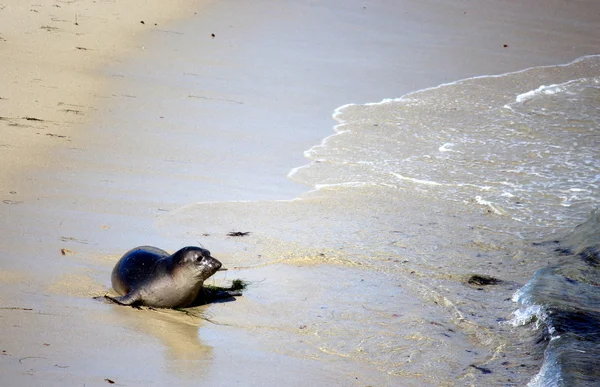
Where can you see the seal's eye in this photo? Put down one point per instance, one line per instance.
(198, 257)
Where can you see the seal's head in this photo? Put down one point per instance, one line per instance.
(197, 261)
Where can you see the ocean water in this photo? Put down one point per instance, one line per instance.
(410, 198)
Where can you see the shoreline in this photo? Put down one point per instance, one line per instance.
(292, 112)
(341, 123)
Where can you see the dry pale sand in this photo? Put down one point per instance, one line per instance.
(100, 117)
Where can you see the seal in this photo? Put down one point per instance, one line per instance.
(149, 276)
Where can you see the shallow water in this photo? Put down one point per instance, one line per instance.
(528, 155)
(411, 197)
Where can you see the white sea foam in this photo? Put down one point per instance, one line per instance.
(350, 184)
(340, 109)
(418, 181)
(295, 170)
(337, 131)
(345, 184)
(497, 210)
(385, 100)
(479, 187)
(447, 147)
(229, 201)
(527, 315)
(408, 96)
(548, 90)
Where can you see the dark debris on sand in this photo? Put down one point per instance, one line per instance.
(238, 233)
(482, 280)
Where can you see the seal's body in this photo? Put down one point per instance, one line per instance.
(150, 276)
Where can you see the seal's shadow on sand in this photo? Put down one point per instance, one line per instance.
(219, 300)
(175, 331)
(176, 328)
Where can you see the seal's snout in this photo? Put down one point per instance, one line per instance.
(206, 260)
(213, 263)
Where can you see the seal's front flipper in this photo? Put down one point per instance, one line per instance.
(130, 299)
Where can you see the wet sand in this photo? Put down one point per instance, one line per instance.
(109, 124)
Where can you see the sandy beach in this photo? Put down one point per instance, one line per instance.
(115, 117)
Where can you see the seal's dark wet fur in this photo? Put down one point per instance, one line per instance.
(150, 276)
